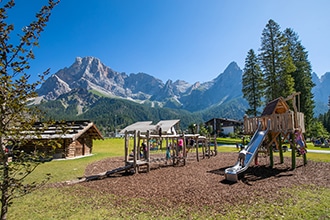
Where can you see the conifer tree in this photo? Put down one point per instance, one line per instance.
(302, 76)
(276, 63)
(253, 84)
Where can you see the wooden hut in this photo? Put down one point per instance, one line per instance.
(72, 138)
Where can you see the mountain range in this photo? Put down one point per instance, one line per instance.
(79, 88)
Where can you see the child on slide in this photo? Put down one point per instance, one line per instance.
(299, 139)
(242, 155)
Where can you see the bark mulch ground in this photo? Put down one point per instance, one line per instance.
(203, 183)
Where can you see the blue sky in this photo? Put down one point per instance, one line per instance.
(191, 40)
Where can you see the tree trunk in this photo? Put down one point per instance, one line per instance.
(4, 187)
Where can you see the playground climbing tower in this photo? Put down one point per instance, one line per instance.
(285, 118)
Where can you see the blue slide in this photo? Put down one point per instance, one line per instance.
(252, 149)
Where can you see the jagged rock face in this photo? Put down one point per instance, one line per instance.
(322, 89)
(53, 88)
(89, 73)
(227, 86)
(144, 83)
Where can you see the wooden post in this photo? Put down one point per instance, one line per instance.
(271, 156)
(304, 155)
(136, 168)
(215, 147)
(208, 147)
(184, 152)
(148, 151)
(139, 145)
(126, 148)
(197, 145)
(166, 142)
(174, 151)
(203, 149)
(305, 158)
(280, 148)
(293, 153)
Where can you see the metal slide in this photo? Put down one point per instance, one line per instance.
(252, 149)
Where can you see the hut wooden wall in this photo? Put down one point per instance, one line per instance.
(82, 146)
(69, 149)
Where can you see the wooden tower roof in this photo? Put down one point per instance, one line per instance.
(277, 106)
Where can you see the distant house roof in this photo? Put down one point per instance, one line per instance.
(142, 126)
(64, 130)
(166, 126)
(277, 106)
(225, 121)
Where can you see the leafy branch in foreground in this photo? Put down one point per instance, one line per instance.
(15, 91)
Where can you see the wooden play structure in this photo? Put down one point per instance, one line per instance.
(284, 121)
(140, 142)
(162, 133)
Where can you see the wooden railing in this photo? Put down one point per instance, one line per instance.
(285, 122)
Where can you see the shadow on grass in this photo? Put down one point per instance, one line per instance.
(124, 171)
(263, 172)
(220, 171)
(255, 173)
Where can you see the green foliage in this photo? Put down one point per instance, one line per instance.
(275, 62)
(233, 109)
(113, 113)
(324, 119)
(203, 131)
(302, 75)
(285, 69)
(305, 202)
(317, 130)
(253, 84)
(15, 92)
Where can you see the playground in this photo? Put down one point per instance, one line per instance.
(206, 179)
(203, 183)
(211, 181)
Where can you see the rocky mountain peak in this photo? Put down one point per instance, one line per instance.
(91, 74)
(231, 71)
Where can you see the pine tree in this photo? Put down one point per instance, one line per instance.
(253, 84)
(276, 63)
(302, 75)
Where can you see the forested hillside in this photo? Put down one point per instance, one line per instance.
(115, 113)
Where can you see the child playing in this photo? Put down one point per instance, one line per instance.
(241, 156)
(299, 139)
(168, 153)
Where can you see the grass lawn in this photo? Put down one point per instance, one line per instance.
(64, 202)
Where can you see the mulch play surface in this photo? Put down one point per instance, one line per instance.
(203, 183)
